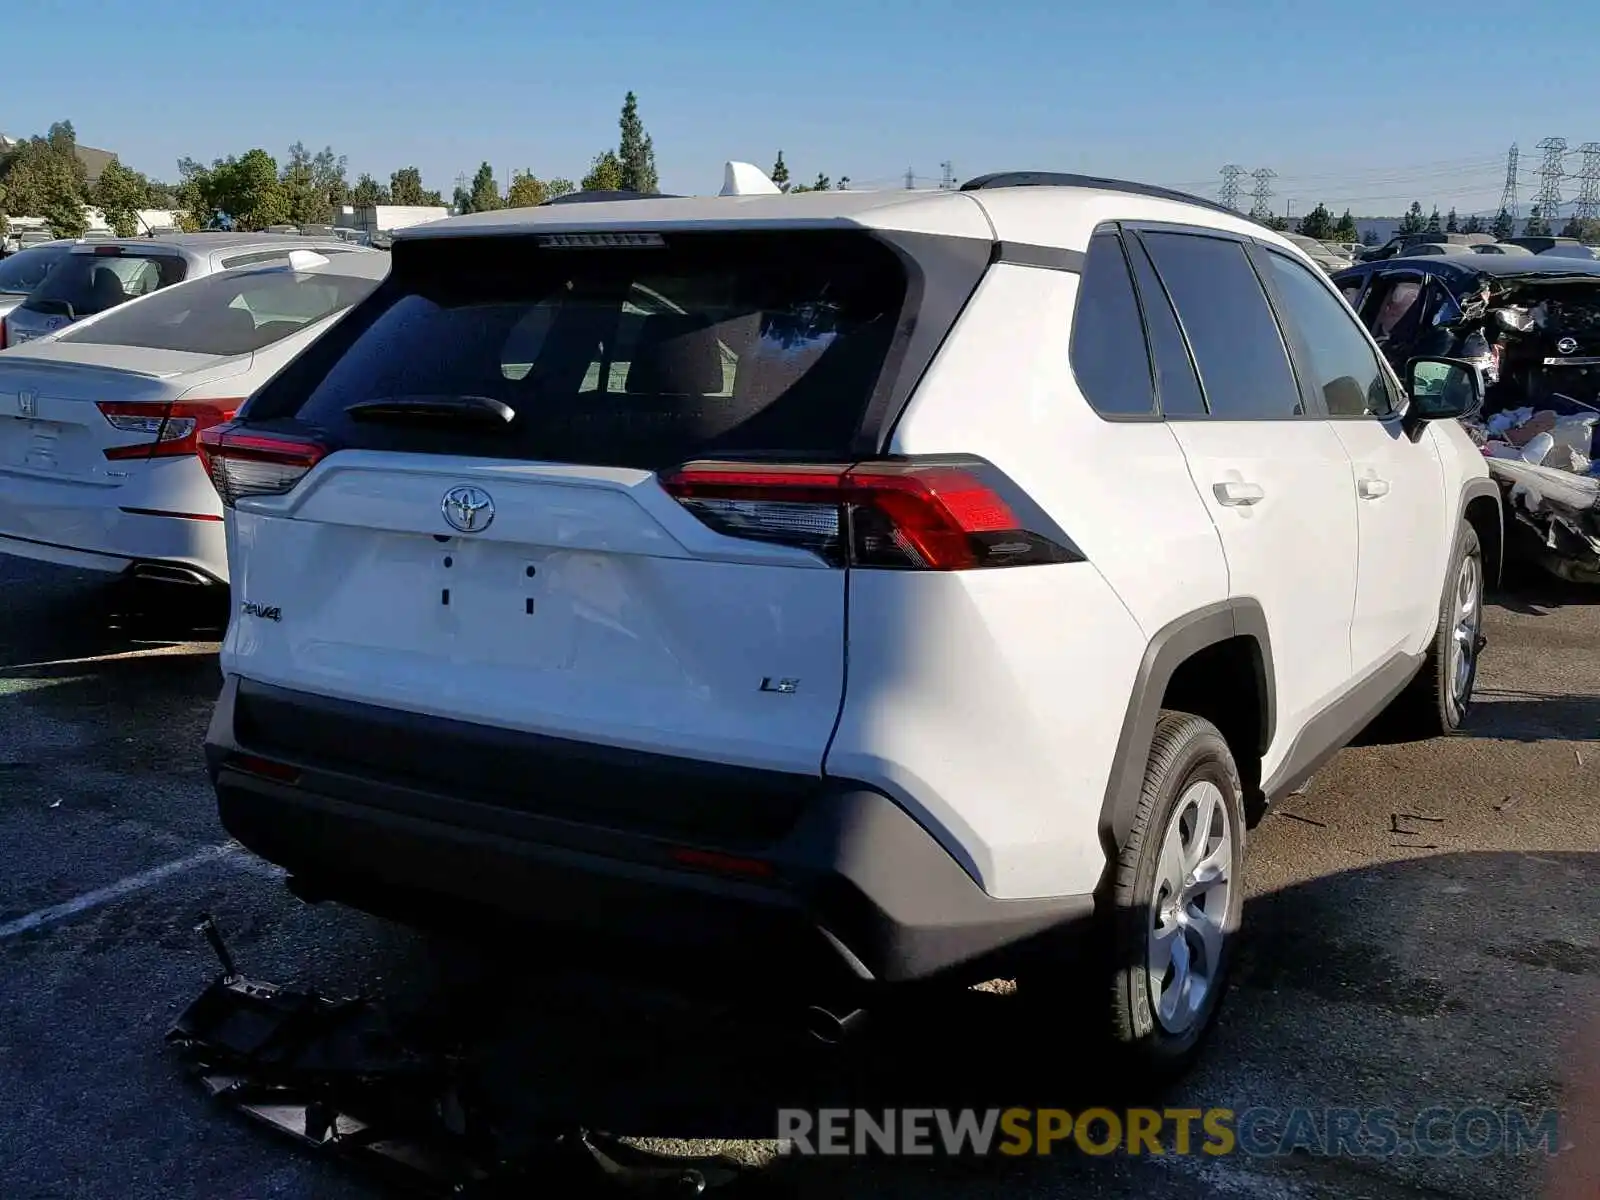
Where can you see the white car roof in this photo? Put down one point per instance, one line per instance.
(1054, 214)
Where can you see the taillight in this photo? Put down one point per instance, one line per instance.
(243, 463)
(928, 515)
(172, 429)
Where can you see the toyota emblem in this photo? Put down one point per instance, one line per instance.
(468, 509)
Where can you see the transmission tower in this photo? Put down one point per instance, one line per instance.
(1261, 194)
(1228, 195)
(1588, 203)
(1508, 195)
(1555, 149)
(911, 178)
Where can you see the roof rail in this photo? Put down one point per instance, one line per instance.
(1005, 179)
(597, 197)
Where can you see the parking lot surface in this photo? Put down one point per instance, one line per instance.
(1422, 931)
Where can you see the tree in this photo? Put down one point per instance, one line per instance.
(121, 193)
(63, 142)
(559, 187)
(1473, 224)
(1537, 226)
(485, 191)
(1504, 225)
(405, 187)
(1281, 224)
(1585, 229)
(844, 183)
(40, 183)
(1452, 225)
(1435, 225)
(1413, 221)
(780, 173)
(368, 192)
(247, 189)
(1318, 223)
(1345, 230)
(636, 152)
(605, 173)
(527, 191)
(313, 184)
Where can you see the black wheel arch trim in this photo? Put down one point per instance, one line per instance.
(1171, 646)
(1481, 487)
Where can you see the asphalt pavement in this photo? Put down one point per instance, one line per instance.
(1421, 934)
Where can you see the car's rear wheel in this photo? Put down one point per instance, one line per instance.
(1178, 894)
(1172, 909)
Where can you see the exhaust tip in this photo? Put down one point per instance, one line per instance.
(831, 1028)
(169, 573)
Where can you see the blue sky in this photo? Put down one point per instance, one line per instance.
(1339, 100)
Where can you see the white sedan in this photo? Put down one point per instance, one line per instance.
(98, 423)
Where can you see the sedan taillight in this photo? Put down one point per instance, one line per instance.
(172, 429)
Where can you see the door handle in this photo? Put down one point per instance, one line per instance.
(1234, 494)
(1371, 489)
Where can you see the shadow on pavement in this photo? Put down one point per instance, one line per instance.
(1347, 992)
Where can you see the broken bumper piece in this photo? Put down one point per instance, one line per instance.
(1560, 513)
(336, 1076)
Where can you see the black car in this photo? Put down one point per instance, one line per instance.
(1532, 323)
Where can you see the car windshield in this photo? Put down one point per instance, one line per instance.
(85, 283)
(25, 270)
(227, 314)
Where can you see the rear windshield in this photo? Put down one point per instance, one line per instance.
(226, 314)
(713, 344)
(26, 269)
(89, 283)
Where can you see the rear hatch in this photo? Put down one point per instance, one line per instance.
(466, 500)
(90, 280)
(83, 414)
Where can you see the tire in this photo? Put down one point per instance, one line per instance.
(1437, 701)
(1190, 775)
(1109, 999)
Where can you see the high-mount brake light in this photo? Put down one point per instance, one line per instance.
(173, 429)
(925, 515)
(599, 241)
(244, 463)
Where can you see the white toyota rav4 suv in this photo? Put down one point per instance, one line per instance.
(939, 581)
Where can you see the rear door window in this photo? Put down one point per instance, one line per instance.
(83, 284)
(1236, 341)
(708, 344)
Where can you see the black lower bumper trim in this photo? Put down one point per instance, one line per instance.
(855, 877)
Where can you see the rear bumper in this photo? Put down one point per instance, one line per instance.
(163, 516)
(825, 873)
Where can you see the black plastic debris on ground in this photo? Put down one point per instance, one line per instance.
(337, 1076)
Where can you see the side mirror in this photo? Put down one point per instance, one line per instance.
(1442, 389)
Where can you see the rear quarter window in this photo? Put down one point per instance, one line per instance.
(713, 344)
(1108, 352)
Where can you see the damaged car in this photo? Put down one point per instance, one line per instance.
(1531, 324)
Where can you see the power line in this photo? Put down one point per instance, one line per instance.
(1555, 149)
(1228, 195)
(1261, 194)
